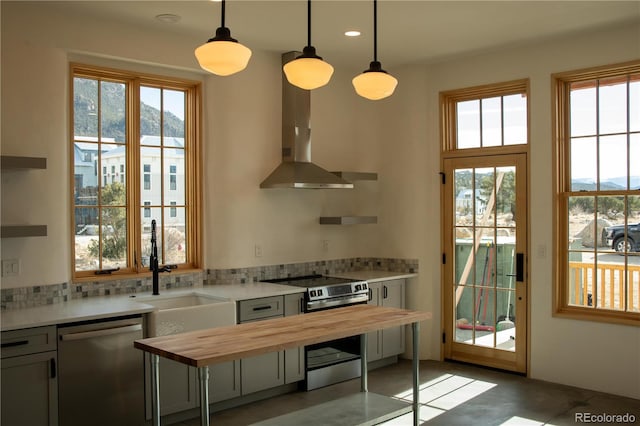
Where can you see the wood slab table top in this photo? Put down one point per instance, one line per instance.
(211, 346)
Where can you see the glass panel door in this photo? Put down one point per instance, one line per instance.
(485, 243)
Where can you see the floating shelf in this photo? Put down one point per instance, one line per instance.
(348, 220)
(353, 176)
(10, 162)
(19, 231)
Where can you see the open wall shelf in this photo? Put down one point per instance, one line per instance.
(11, 162)
(19, 231)
(347, 220)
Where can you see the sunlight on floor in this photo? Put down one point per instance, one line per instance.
(521, 421)
(441, 394)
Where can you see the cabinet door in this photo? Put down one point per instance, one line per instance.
(392, 295)
(294, 358)
(30, 390)
(224, 381)
(262, 372)
(178, 386)
(374, 339)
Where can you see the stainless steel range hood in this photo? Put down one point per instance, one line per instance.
(296, 169)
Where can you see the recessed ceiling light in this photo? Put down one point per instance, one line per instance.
(168, 18)
(352, 33)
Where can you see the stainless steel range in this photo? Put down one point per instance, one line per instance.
(338, 360)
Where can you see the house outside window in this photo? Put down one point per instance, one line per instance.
(147, 177)
(597, 223)
(172, 177)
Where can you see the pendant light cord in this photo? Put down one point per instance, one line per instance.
(375, 30)
(222, 18)
(308, 22)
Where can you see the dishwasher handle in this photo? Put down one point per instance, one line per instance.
(83, 335)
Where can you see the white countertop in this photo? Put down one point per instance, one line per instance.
(374, 276)
(94, 308)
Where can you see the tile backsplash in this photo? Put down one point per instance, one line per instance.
(27, 297)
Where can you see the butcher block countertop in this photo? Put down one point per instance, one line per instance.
(204, 347)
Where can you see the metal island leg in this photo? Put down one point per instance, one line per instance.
(155, 389)
(203, 372)
(416, 371)
(364, 387)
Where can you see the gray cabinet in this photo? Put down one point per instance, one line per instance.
(179, 385)
(294, 358)
(29, 377)
(263, 371)
(389, 342)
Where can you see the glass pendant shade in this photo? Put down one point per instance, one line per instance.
(222, 57)
(222, 54)
(308, 72)
(375, 83)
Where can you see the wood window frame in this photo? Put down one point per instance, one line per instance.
(561, 137)
(134, 205)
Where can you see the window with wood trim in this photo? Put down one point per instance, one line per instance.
(135, 150)
(597, 223)
(491, 116)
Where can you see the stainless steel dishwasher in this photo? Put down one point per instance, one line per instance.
(101, 374)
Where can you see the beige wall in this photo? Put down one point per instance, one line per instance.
(587, 354)
(398, 138)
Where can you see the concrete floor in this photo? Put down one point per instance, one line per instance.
(452, 394)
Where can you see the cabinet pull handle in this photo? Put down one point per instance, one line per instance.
(53, 368)
(16, 343)
(370, 295)
(385, 293)
(261, 308)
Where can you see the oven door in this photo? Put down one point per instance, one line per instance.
(332, 362)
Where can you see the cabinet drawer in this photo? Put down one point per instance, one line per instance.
(28, 341)
(256, 309)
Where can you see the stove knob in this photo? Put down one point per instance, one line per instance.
(319, 292)
(358, 287)
(364, 286)
(312, 293)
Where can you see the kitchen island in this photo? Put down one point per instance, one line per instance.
(206, 347)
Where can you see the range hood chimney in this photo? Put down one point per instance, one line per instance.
(296, 169)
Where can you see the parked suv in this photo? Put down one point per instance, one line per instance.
(614, 236)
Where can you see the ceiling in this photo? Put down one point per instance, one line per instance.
(416, 31)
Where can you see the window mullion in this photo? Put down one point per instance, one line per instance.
(133, 164)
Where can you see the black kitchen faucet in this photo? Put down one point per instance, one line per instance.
(153, 261)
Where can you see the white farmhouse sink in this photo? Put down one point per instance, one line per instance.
(187, 312)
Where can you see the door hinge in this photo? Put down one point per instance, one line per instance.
(443, 177)
(444, 337)
(444, 258)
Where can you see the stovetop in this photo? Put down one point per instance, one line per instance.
(311, 281)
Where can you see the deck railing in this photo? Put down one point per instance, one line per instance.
(610, 291)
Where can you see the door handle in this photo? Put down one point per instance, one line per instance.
(519, 268)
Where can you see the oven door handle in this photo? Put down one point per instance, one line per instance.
(336, 302)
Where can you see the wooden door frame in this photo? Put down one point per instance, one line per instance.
(486, 356)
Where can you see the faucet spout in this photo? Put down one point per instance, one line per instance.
(153, 260)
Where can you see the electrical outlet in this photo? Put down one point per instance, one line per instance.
(258, 250)
(11, 268)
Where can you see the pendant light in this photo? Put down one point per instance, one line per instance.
(222, 54)
(375, 83)
(308, 71)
